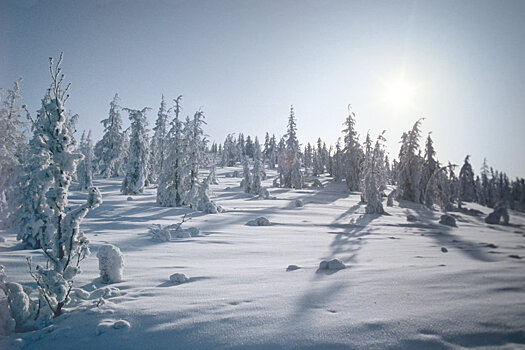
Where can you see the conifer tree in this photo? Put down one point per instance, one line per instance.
(110, 150)
(289, 162)
(467, 186)
(410, 165)
(137, 164)
(85, 167)
(158, 143)
(352, 153)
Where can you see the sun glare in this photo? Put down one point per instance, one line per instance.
(400, 93)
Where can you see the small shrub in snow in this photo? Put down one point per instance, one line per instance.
(390, 199)
(448, 220)
(496, 216)
(444, 250)
(178, 278)
(411, 218)
(299, 203)
(263, 193)
(261, 221)
(276, 183)
(317, 184)
(110, 263)
(7, 323)
(160, 234)
(334, 264)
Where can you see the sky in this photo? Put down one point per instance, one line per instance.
(458, 64)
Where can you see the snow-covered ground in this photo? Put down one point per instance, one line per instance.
(400, 288)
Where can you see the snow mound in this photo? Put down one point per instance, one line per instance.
(106, 292)
(164, 234)
(106, 325)
(2, 239)
(411, 218)
(110, 263)
(261, 221)
(334, 264)
(178, 278)
(299, 203)
(263, 193)
(292, 268)
(448, 220)
(129, 198)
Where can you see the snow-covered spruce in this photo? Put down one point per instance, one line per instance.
(500, 215)
(110, 151)
(63, 244)
(110, 263)
(375, 177)
(12, 152)
(137, 163)
(158, 143)
(7, 322)
(85, 167)
(290, 175)
(352, 154)
(246, 182)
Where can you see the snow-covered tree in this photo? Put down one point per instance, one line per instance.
(229, 152)
(318, 163)
(85, 167)
(110, 150)
(352, 153)
(374, 177)
(467, 186)
(258, 168)
(61, 240)
(137, 163)
(196, 143)
(430, 166)
(158, 143)
(247, 180)
(290, 174)
(338, 170)
(410, 165)
(171, 190)
(12, 150)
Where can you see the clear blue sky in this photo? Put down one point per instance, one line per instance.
(245, 62)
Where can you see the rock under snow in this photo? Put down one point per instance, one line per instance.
(129, 198)
(411, 218)
(292, 268)
(121, 324)
(178, 278)
(261, 221)
(448, 220)
(299, 203)
(334, 264)
(110, 263)
(497, 215)
(444, 250)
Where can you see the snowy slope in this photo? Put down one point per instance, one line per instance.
(399, 290)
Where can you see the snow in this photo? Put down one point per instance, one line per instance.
(110, 263)
(399, 290)
(178, 278)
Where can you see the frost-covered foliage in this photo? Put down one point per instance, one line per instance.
(334, 264)
(260, 221)
(7, 322)
(110, 263)
(338, 169)
(12, 150)
(246, 183)
(172, 187)
(110, 151)
(410, 165)
(374, 178)
(430, 166)
(60, 238)
(85, 167)
(137, 163)
(202, 202)
(352, 154)
(290, 174)
(230, 152)
(158, 143)
(258, 169)
(467, 186)
(196, 146)
(212, 176)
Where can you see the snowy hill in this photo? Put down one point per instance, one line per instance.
(415, 285)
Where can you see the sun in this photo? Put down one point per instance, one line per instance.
(400, 93)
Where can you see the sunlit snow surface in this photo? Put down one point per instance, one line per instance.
(398, 290)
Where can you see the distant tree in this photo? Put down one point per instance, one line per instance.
(85, 167)
(352, 153)
(467, 186)
(410, 165)
(430, 166)
(289, 162)
(158, 143)
(137, 165)
(374, 177)
(110, 150)
(258, 169)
